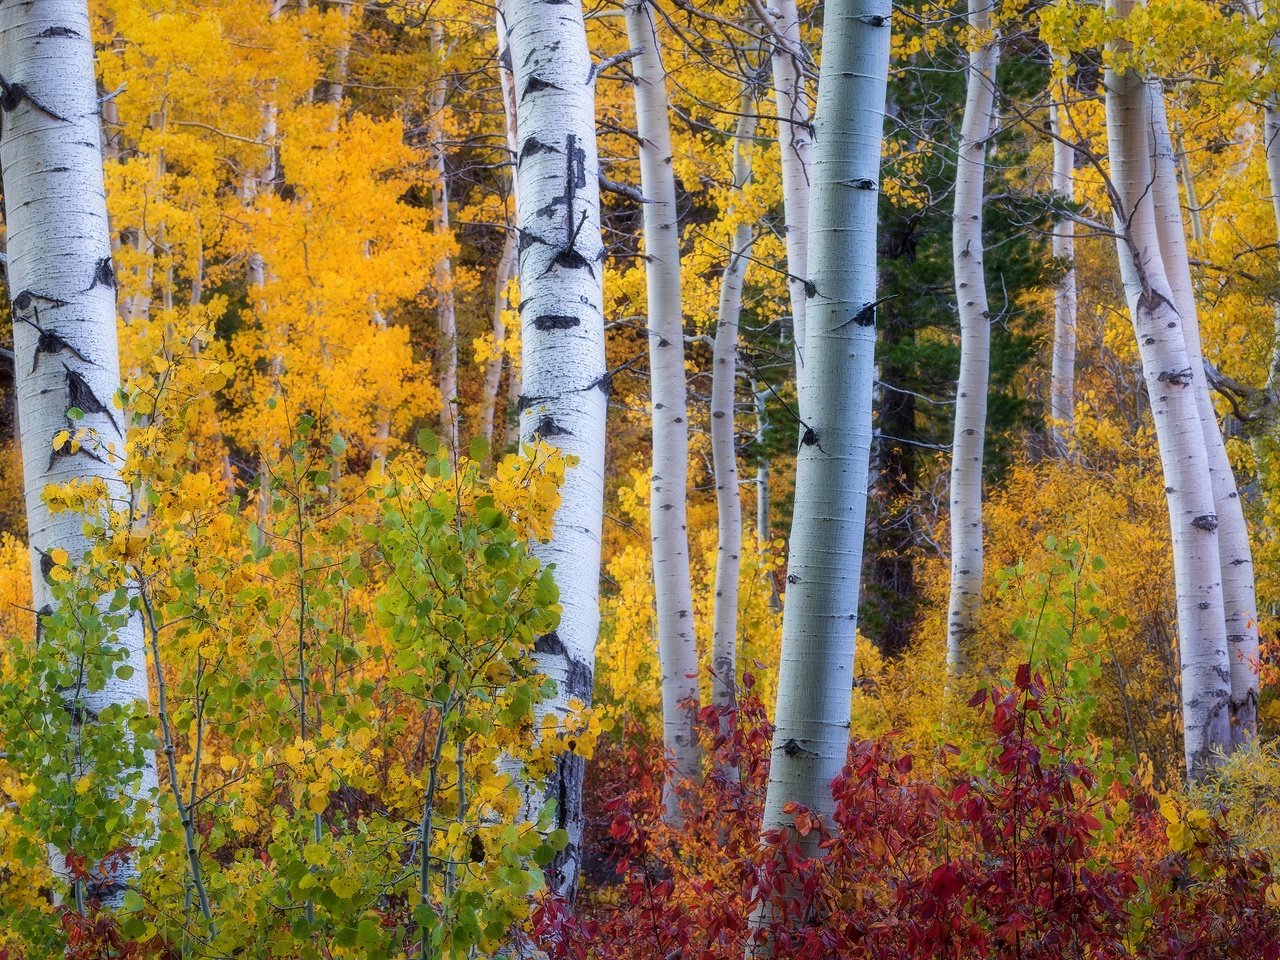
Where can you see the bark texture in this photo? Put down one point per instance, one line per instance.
(677, 646)
(565, 383)
(64, 300)
(975, 340)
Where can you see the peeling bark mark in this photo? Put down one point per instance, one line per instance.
(66, 451)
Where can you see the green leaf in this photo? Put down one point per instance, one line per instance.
(132, 901)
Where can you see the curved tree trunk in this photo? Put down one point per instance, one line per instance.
(1166, 368)
(1062, 403)
(795, 144)
(677, 646)
(562, 328)
(975, 340)
(1240, 604)
(64, 301)
(815, 683)
(724, 450)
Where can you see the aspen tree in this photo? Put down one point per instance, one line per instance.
(1166, 368)
(1063, 377)
(795, 144)
(442, 280)
(815, 684)
(562, 348)
(975, 337)
(63, 293)
(1240, 604)
(723, 431)
(677, 646)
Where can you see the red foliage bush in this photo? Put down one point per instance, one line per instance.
(1019, 852)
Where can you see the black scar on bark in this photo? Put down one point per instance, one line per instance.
(549, 643)
(791, 748)
(537, 84)
(810, 437)
(1208, 522)
(579, 682)
(547, 427)
(50, 342)
(27, 298)
(58, 31)
(533, 146)
(527, 240)
(82, 396)
(46, 564)
(1180, 378)
(104, 274)
(80, 715)
(866, 317)
(45, 611)
(555, 321)
(12, 94)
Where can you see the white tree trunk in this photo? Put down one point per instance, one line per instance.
(677, 646)
(1062, 386)
(724, 451)
(1239, 598)
(764, 523)
(815, 683)
(562, 325)
(64, 298)
(446, 313)
(975, 340)
(1166, 368)
(795, 142)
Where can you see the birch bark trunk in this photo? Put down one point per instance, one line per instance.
(1062, 384)
(1166, 368)
(446, 312)
(815, 684)
(562, 347)
(1239, 597)
(64, 300)
(975, 339)
(724, 451)
(677, 646)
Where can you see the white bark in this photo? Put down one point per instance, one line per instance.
(1062, 384)
(1166, 368)
(795, 142)
(64, 299)
(562, 324)
(1240, 604)
(724, 452)
(975, 340)
(764, 524)
(677, 646)
(446, 313)
(815, 682)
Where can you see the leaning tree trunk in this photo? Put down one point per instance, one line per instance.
(724, 450)
(815, 683)
(975, 340)
(64, 299)
(1166, 368)
(1239, 598)
(1062, 383)
(795, 143)
(562, 347)
(677, 646)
